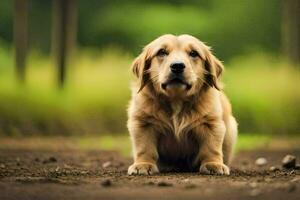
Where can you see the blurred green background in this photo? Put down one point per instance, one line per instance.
(247, 35)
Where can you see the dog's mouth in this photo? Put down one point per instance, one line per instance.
(176, 82)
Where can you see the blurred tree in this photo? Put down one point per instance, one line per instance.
(64, 29)
(20, 36)
(232, 27)
(291, 30)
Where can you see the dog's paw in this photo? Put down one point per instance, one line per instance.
(214, 168)
(142, 168)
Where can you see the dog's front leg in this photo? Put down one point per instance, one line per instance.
(210, 152)
(144, 144)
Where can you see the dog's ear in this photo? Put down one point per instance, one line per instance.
(140, 66)
(214, 68)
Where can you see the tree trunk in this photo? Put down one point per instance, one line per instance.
(20, 31)
(64, 29)
(291, 30)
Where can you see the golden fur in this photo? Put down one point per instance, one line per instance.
(183, 126)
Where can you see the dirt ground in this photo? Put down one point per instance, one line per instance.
(78, 174)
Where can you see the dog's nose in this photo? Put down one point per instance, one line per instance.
(177, 67)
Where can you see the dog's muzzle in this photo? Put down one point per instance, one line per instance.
(176, 80)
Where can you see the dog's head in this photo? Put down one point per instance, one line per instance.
(177, 66)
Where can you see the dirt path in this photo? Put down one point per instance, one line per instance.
(72, 174)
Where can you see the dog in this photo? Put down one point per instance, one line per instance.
(179, 119)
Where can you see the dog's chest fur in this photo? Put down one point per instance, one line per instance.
(179, 121)
(177, 154)
(176, 121)
(178, 147)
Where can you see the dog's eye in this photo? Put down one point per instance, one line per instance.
(194, 54)
(162, 53)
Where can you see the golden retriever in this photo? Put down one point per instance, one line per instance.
(178, 118)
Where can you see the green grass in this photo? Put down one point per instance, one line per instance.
(246, 142)
(252, 141)
(95, 95)
(121, 143)
(263, 91)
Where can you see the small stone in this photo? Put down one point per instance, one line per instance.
(164, 184)
(84, 172)
(67, 166)
(261, 161)
(106, 183)
(37, 160)
(289, 162)
(274, 168)
(253, 184)
(2, 166)
(186, 180)
(107, 164)
(292, 172)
